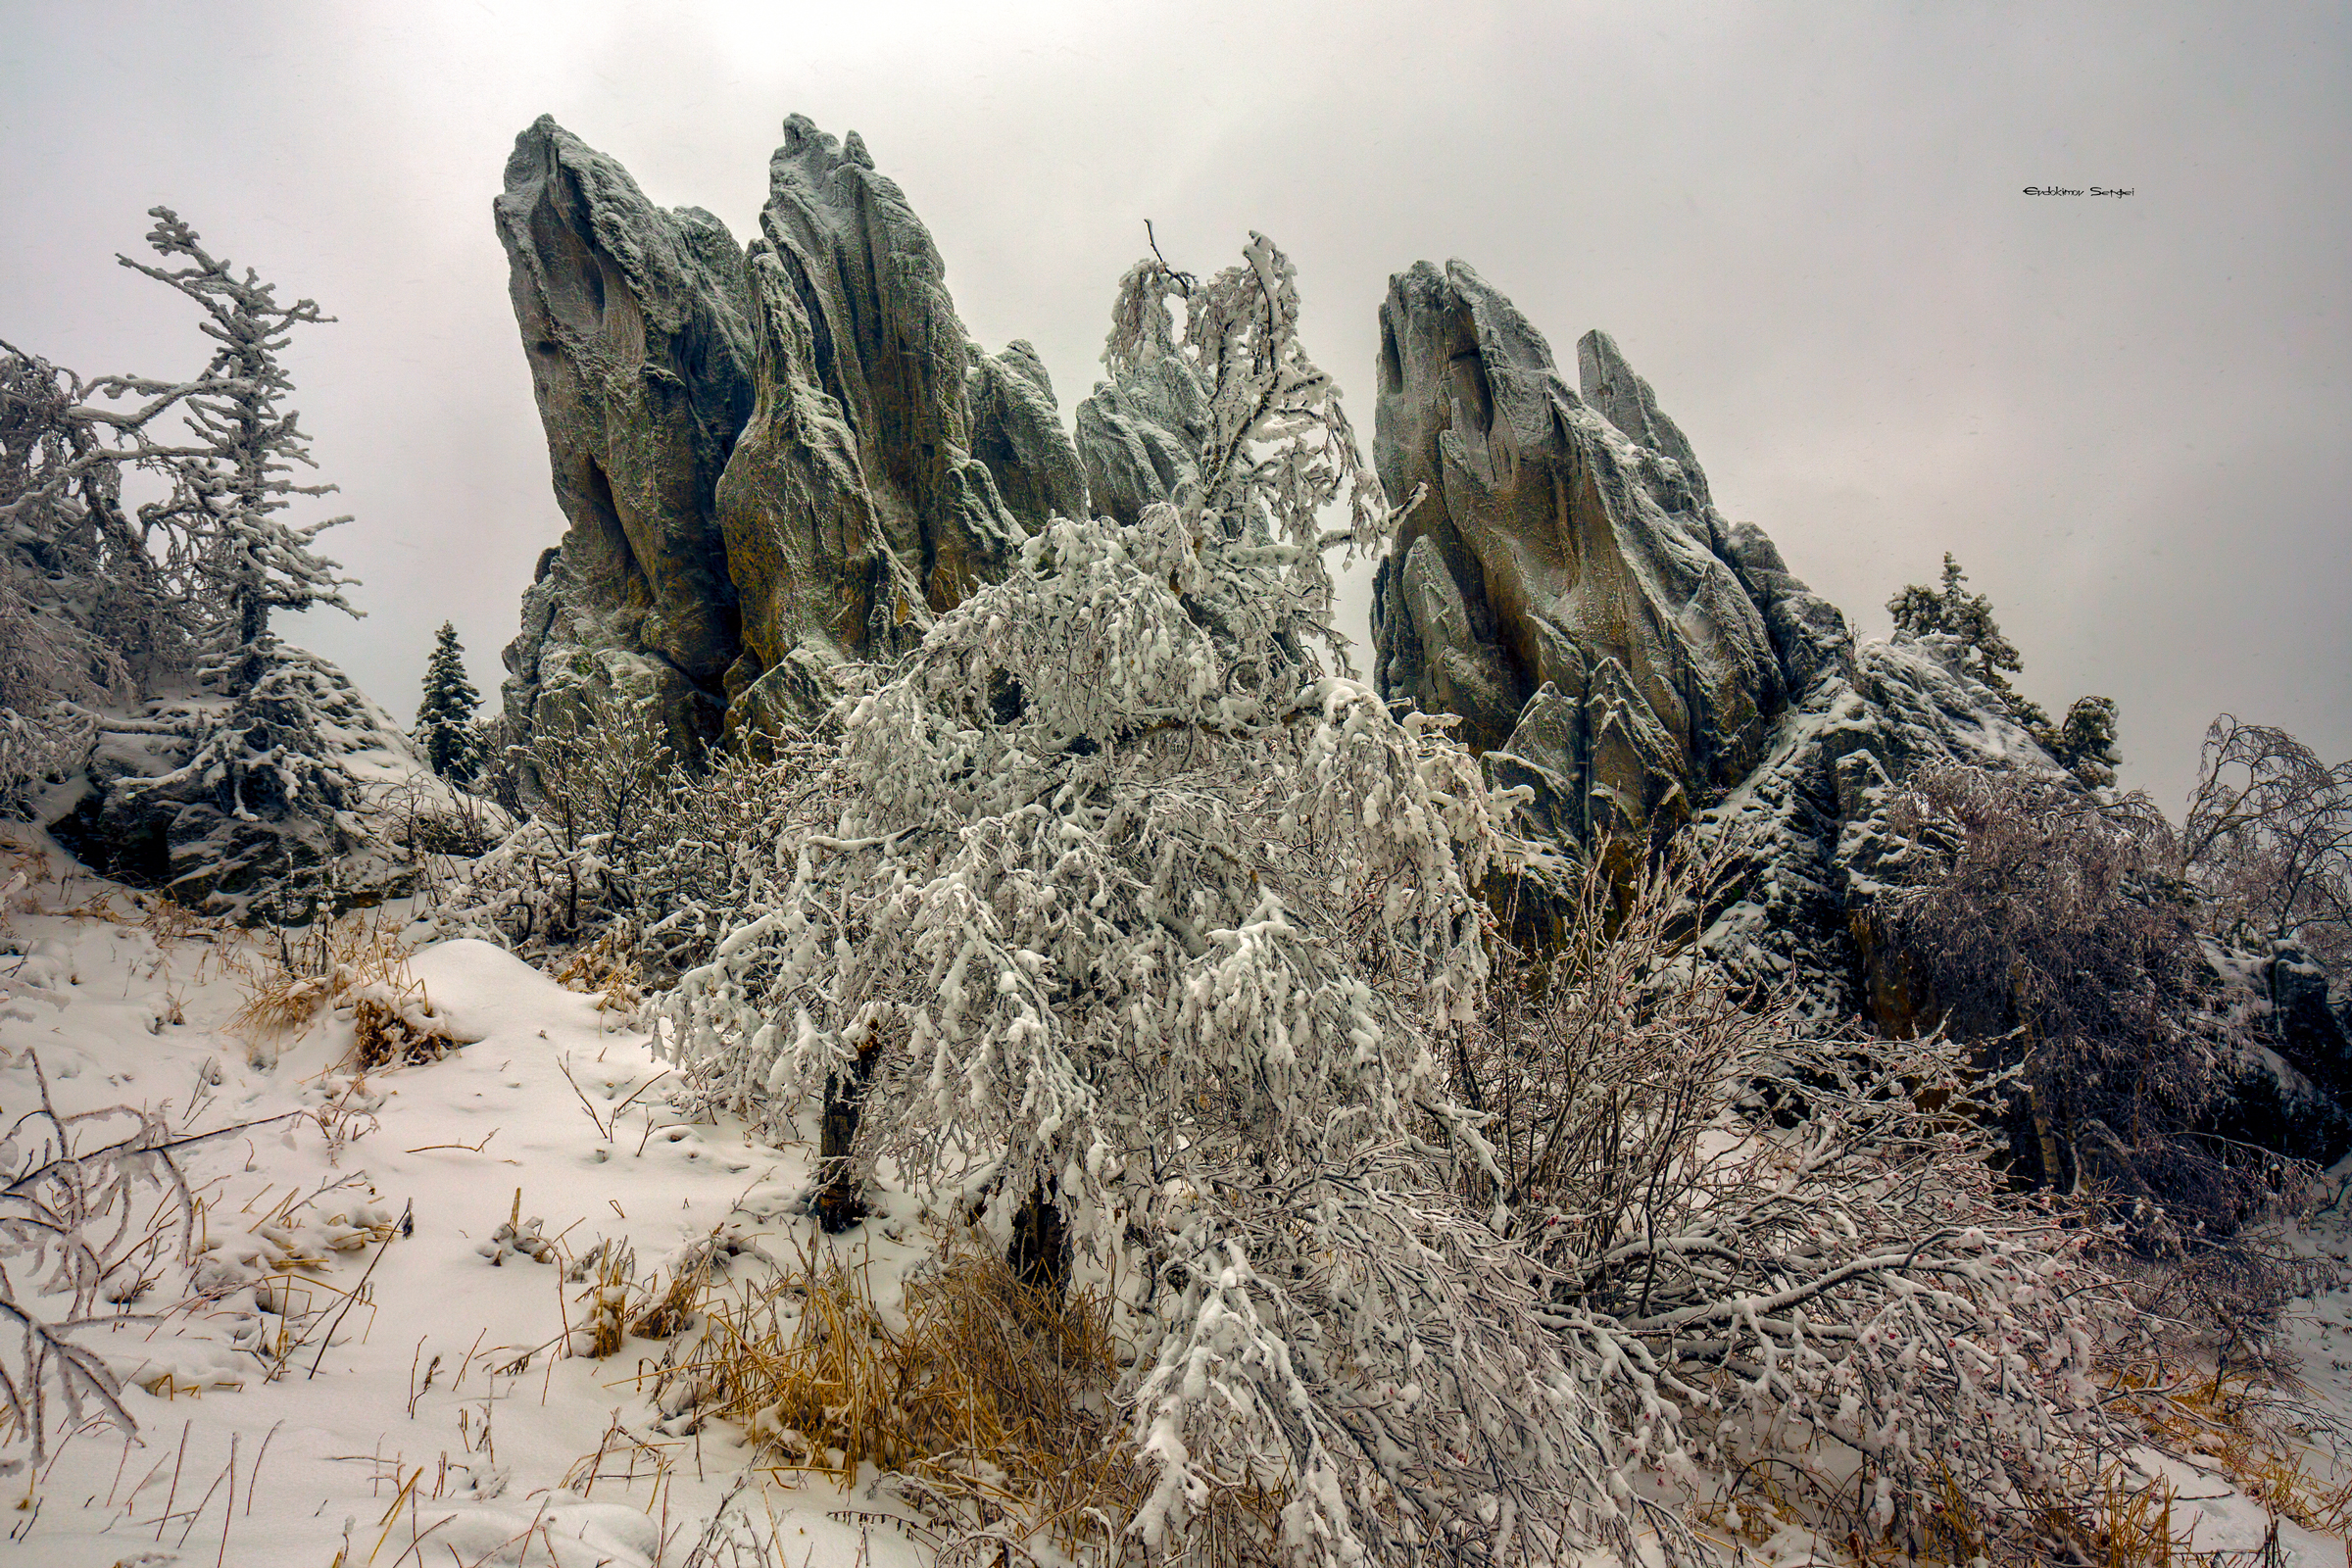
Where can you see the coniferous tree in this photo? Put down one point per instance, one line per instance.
(445, 727)
(2083, 743)
(232, 488)
(1954, 611)
(276, 801)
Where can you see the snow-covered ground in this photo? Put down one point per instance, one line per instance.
(436, 1420)
(429, 1412)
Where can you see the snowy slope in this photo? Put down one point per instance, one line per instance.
(438, 1420)
(446, 1377)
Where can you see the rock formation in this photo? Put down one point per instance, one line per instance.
(637, 330)
(772, 459)
(1617, 648)
(1140, 437)
(1563, 584)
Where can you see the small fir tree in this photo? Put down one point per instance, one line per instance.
(2083, 743)
(446, 731)
(1954, 611)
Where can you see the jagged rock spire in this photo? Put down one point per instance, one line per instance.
(772, 458)
(1563, 573)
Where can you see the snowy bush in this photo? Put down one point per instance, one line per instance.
(87, 614)
(628, 849)
(1782, 1249)
(94, 1210)
(1129, 927)
(1121, 924)
(2041, 921)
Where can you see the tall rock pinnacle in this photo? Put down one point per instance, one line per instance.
(1564, 585)
(772, 459)
(634, 323)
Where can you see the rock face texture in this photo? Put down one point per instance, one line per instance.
(772, 457)
(1017, 432)
(1620, 650)
(636, 326)
(1140, 437)
(1563, 584)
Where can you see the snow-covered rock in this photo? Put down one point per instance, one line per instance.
(1553, 549)
(223, 805)
(772, 457)
(1630, 656)
(636, 326)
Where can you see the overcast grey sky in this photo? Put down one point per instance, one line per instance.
(1804, 225)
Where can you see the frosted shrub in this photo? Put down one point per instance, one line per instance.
(628, 849)
(1129, 931)
(84, 610)
(1121, 923)
(2039, 921)
(1782, 1249)
(2268, 839)
(95, 1213)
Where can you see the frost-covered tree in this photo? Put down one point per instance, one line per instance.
(1788, 1241)
(235, 486)
(2044, 924)
(149, 621)
(446, 731)
(272, 800)
(94, 600)
(1123, 925)
(2084, 741)
(1128, 932)
(54, 655)
(2268, 839)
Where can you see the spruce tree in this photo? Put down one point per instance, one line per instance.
(2083, 743)
(445, 726)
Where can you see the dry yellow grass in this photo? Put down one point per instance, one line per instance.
(2233, 1419)
(606, 970)
(992, 1401)
(357, 961)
